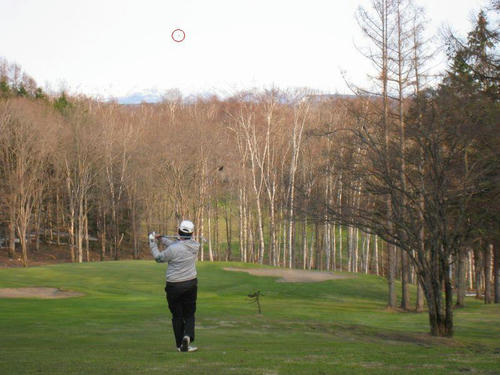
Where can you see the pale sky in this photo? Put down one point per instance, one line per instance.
(118, 47)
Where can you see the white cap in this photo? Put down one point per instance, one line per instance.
(186, 226)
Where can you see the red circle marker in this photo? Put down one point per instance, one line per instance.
(178, 35)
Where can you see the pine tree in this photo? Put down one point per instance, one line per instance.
(475, 65)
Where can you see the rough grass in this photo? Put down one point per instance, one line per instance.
(122, 326)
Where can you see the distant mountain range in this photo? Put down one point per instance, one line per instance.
(140, 97)
(153, 96)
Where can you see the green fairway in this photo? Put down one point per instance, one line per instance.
(122, 326)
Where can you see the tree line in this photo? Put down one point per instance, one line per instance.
(400, 180)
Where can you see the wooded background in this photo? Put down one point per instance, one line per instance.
(400, 180)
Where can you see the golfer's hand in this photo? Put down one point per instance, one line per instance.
(152, 237)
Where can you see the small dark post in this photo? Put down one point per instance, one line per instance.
(255, 297)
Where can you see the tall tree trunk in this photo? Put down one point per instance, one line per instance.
(103, 235)
(245, 225)
(402, 82)
(496, 270)
(12, 226)
(470, 268)
(460, 278)
(367, 254)
(260, 228)
(391, 275)
(272, 230)
(297, 130)
(290, 230)
(71, 234)
(420, 297)
(251, 238)
(80, 230)
(241, 224)
(391, 251)
(341, 240)
(49, 223)
(228, 232)
(312, 245)
(356, 251)
(23, 222)
(405, 288)
(420, 288)
(58, 218)
(334, 247)
(114, 225)
(37, 225)
(488, 295)
(285, 241)
(326, 242)
(216, 232)
(440, 317)
(479, 272)
(210, 231)
(317, 240)
(24, 246)
(135, 239)
(349, 250)
(87, 245)
(448, 291)
(304, 243)
(278, 241)
(202, 227)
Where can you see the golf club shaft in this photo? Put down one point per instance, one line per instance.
(178, 237)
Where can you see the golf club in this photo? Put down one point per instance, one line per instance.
(178, 237)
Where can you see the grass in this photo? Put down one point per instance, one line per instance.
(122, 326)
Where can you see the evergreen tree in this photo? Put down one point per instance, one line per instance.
(4, 88)
(39, 94)
(21, 91)
(61, 103)
(475, 64)
(474, 75)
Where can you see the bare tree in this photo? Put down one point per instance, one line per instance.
(378, 28)
(244, 126)
(26, 141)
(441, 133)
(300, 117)
(8, 174)
(77, 154)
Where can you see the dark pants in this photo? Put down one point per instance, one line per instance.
(181, 299)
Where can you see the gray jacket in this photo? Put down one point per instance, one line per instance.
(181, 258)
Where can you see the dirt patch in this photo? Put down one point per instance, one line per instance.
(291, 276)
(37, 292)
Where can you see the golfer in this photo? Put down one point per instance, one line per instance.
(182, 285)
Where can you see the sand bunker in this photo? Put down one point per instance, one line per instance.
(291, 276)
(37, 292)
